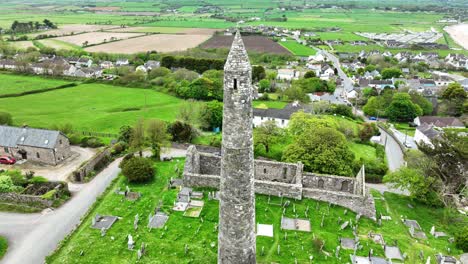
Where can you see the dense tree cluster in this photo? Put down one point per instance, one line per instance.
(195, 64)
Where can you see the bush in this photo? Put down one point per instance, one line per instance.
(461, 239)
(16, 177)
(138, 169)
(74, 139)
(181, 132)
(119, 147)
(50, 195)
(91, 142)
(6, 119)
(6, 184)
(38, 179)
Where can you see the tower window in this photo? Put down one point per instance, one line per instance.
(235, 84)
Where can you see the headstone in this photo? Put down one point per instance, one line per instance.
(410, 206)
(345, 211)
(344, 225)
(432, 230)
(186, 249)
(263, 251)
(139, 254)
(337, 252)
(421, 255)
(428, 261)
(323, 218)
(93, 221)
(103, 232)
(278, 250)
(130, 243)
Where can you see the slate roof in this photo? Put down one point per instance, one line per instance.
(428, 131)
(441, 121)
(14, 136)
(284, 113)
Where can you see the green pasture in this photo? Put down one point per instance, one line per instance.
(13, 84)
(297, 49)
(91, 107)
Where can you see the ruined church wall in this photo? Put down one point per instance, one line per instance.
(328, 183)
(359, 204)
(210, 164)
(199, 180)
(277, 172)
(279, 189)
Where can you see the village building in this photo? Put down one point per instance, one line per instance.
(439, 121)
(37, 145)
(288, 74)
(425, 133)
(280, 116)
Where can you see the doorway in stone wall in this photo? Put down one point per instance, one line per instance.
(24, 154)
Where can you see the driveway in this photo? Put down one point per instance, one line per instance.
(61, 171)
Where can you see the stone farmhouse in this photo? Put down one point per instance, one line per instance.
(37, 145)
(286, 180)
(425, 134)
(439, 121)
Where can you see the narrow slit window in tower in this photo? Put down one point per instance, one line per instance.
(235, 84)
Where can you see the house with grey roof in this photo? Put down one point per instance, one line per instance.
(439, 121)
(37, 145)
(280, 116)
(425, 134)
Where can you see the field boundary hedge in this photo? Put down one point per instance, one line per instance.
(68, 85)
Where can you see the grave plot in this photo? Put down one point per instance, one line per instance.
(103, 221)
(437, 234)
(193, 211)
(347, 243)
(184, 203)
(176, 183)
(377, 238)
(393, 252)
(264, 230)
(412, 223)
(158, 220)
(295, 224)
(367, 260)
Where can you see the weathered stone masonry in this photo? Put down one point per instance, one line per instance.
(286, 179)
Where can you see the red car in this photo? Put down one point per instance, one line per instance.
(7, 160)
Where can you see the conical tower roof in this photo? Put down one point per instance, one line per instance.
(238, 59)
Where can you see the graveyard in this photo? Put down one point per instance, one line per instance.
(163, 222)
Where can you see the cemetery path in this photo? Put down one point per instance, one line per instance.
(34, 236)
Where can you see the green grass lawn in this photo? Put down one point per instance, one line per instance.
(3, 246)
(12, 84)
(363, 151)
(269, 104)
(167, 245)
(297, 48)
(405, 128)
(91, 107)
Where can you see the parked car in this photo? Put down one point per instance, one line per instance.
(7, 160)
(373, 118)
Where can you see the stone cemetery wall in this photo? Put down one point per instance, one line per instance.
(285, 179)
(211, 164)
(328, 182)
(279, 189)
(94, 164)
(28, 200)
(278, 171)
(360, 204)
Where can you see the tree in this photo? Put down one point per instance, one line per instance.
(264, 86)
(138, 169)
(367, 131)
(266, 134)
(6, 119)
(343, 110)
(389, 73)
(309, 74)
(418, 99)
(295, 93)
(258, 73)
(322, 150)
(455, 96)
(375, 106)
(158, 72)
(402, 109)
(125, 134)
(157, 136)
(188, 112)
(137, 140)
(211, 115)
(182, 132)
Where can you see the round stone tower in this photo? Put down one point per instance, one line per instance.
(237, 198)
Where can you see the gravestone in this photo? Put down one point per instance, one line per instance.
(347, 243)
(264, 230)
(158, 220)
(295, 224)
(130, 243)
(344, 225)
(103, 221)
(393, 252)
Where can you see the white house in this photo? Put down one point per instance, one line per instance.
(141, 68)
(439, 121)
(288, 74)
(152, 64)
(106, 64)
(280, 116)
(425, 134)
(319, 57)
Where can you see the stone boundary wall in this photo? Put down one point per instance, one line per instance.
(91, 165)
(363, 205)
(29, 200)
(286, 180)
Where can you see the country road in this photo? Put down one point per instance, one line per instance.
(32, 237)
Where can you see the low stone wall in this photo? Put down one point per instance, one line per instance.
(95, 163)
(363, 205)
(43, 187)
(199, 180)
(279, 189)
(29, 200)
(328, 182)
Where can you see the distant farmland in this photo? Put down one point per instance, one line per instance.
(252, 43)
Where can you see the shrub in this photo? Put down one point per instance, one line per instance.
(6, 184)
(16, 177)
(138, 169)
(6, 119)
(38, 179)
(461, 239)
(119, 147)
(91, 142)
(50, 195)
(74, 139)
(181, 132)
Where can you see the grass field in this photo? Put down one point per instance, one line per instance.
(363, 151)
(91, 107)
(12, 84)
(297, 48)
(3, 246)
(269, 104)
(167, 245)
